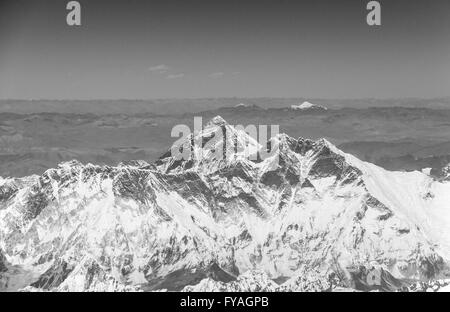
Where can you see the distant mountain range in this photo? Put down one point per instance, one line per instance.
(180, 106)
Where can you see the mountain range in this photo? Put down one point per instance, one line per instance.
(308, 217)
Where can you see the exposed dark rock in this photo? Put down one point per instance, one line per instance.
(3, 267)
(54, 276)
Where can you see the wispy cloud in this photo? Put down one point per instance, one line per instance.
(161, 69)
(175, 76)
(217, 75)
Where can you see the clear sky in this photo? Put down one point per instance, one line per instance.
(191, 48)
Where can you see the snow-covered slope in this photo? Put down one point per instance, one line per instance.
(259, 281)
(250, 281)
(307, 208)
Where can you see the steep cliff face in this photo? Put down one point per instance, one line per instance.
(306, 207)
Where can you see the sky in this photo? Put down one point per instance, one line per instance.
(128, 49)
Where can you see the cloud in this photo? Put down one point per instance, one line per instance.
(166, 70)
(175, 76)
(217, 75)
(161, 69)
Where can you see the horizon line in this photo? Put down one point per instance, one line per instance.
(230, 97)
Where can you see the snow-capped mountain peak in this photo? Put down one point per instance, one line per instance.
(215, 122)
(216, 146)
(308, 106)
